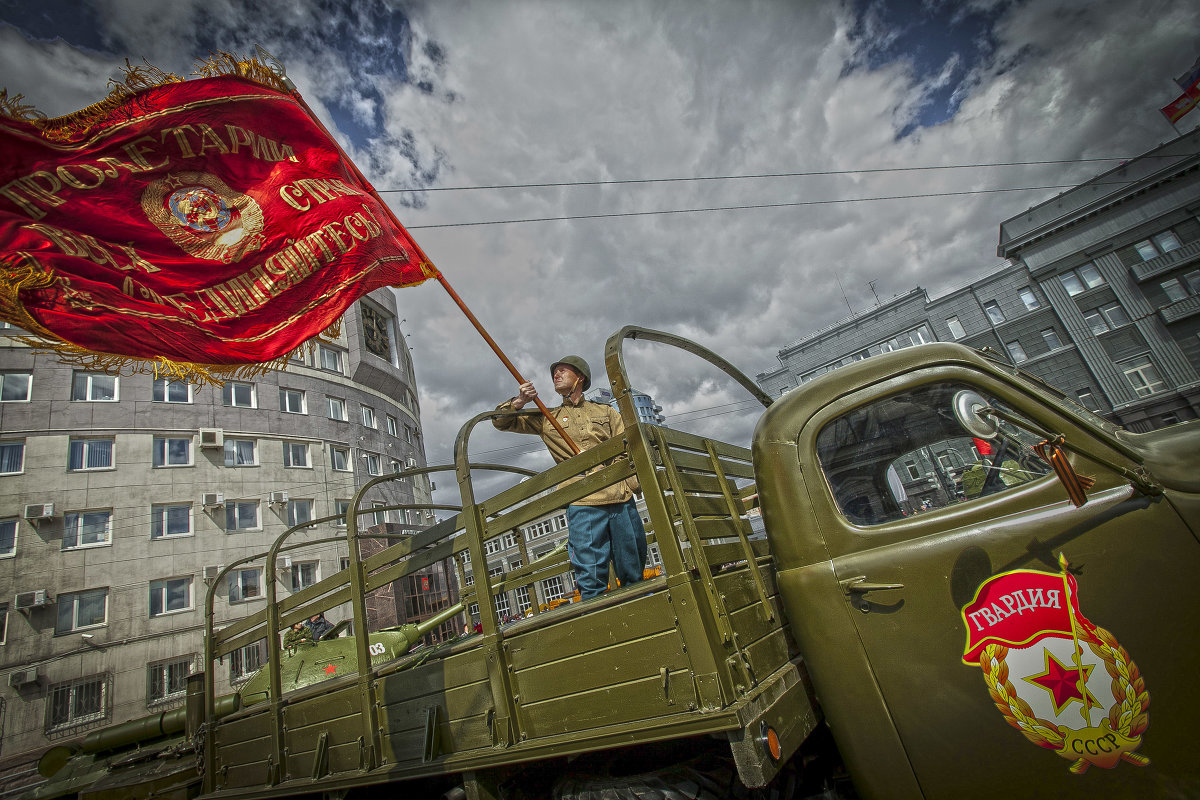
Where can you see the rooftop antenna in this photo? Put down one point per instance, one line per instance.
(872, 285)
(847, 299)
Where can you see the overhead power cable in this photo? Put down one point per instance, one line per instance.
(792, 204)
(805, 174)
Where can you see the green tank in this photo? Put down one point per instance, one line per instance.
(153, 756)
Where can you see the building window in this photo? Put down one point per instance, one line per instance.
(76, 702)
(169, 391)
(295, 454)
(241, 515)
(12, 458)
(1050, 337)
(552, 588)
(396, 468)
(920, 335)
(913, 472)
(8, 537)
(94, 387)
(368, 417)
(336, 408)
(3, 630)
(1029, 299)
(1142, 375)
(340, 508)
(1115, 315)
(1082, 279)
(1174, 290)
(956, 328)
(392, 427)
(85, 454)
(170, 595)
(15, 386)
(291, 401)
(172, 452)
(170, 520)
(86, 529)
(245, 584)
(1158, 244)
(244, 661)
(240, 453)
(330, 359)
(373, 464)
(992, 308)
(502, 607)
(167, 680)
(1095, 321)
(304, 574)
(1192, 279)
(1088, 400)
(1016, 352)
(523, 602)
(339, 458)
(78, 610)
(299, 512)
(238, 395)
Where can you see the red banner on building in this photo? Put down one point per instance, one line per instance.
(200, 224)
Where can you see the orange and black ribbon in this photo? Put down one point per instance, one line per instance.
(1052, 452)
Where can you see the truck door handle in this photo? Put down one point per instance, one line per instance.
(860, 585)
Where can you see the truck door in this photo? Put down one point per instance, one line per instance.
(1023, 647)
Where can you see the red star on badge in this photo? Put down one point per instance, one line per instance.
(1063, 682)
(330, 669)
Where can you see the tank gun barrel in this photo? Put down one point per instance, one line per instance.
(151, 727)
(413, 631)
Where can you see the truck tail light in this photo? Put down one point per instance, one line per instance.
(770, 741)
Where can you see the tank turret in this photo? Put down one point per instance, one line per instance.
(310, 662)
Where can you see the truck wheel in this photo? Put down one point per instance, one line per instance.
(671, 783)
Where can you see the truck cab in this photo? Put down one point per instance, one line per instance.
(977, 621)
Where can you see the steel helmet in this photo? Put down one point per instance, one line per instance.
(579, 365)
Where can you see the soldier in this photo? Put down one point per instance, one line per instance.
(605, 525)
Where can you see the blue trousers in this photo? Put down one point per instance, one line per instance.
(599, 534)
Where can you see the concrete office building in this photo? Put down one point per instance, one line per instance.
(1100, 298)
(122, 496)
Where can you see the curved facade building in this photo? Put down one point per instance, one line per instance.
(122, 497)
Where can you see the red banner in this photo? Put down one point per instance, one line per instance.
(210, 223)
(1019, 608)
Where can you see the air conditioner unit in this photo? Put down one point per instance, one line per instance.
(212, 438)
(412, 462)
(34, 599)
(283, 562)
(212, 499)
(278, 498)
(23, 677)
(39, 511)
(211, 571)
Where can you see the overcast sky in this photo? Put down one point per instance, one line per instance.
(430, 97)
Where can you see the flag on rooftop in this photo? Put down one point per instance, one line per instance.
(203, 228)
(1190, 76)
(1180, 106)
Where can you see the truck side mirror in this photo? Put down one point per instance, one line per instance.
(969, 408)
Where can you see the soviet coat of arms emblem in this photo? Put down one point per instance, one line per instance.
(1063, 682)
(201, 214)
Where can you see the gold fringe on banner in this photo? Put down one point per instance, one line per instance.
(23, 273)
(137, 78)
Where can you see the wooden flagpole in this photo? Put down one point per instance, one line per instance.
(275, 66)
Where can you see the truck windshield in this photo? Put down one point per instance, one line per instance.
(907, 453)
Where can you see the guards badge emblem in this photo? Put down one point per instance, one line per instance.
(1067, 685)
(201, 214)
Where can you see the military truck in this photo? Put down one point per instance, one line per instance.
(969, 586)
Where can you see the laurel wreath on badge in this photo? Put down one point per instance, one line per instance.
(1127, 717)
